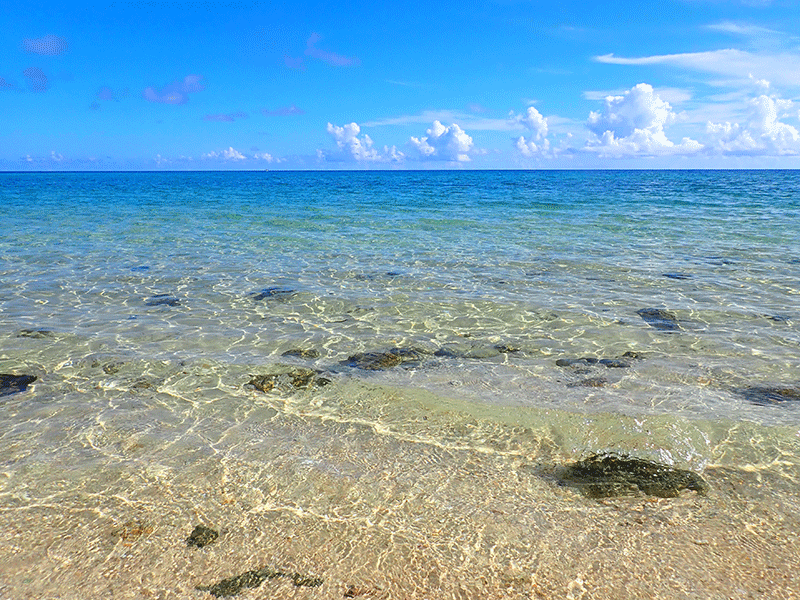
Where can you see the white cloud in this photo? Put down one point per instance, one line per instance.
(351, 147)
(443, 143)
(764, 133)
(782, 69)
(266, 156)
(230, 154)
(176, 92)
(537, 143)
(633, 124)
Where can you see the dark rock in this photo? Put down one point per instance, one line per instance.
(288, 378)
(677, 275)
(767, 395)
(633, 355)
(606, 475)
(253, 579)
(274, 293)
(614, 363)
(162, 300)
(506, 348)
(35, 333)
(300, 353)
(378, 361)
(11, 384)
(659, 318)
(610, 363)
(576, 362)
(201, 536)
(779, 318)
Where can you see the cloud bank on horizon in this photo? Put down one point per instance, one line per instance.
(697, 84)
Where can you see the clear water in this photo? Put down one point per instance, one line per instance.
(430, 479)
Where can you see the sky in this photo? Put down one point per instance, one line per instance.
(474, 84)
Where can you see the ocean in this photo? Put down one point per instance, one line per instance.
(383, 384)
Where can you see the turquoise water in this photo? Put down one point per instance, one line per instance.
(145, 302)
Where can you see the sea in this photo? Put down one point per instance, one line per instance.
(377, 385)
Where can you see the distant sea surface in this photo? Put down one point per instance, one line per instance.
(373, 382)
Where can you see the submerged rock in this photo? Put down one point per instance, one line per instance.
(474, 351)
(676, 275)
(766, 395)
(162, 300)
(607, 475)
(300, 353)
(609, 363)
(252, 579)
(35, 333)
(659, 318)
(201, 536)
(11, 384)
(589, 382)
(274, 293)
(288, 378)
(379, 361)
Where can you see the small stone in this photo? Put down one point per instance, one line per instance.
(677, 275)
(11, 384)
(201, 536)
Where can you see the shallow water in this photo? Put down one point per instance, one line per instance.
(145, 303)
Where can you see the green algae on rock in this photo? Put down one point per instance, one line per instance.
(607, 475)
(201, 536)
(379, 361)
(288, 378)
(252, 579)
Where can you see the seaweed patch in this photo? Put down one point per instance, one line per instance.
(252, 579)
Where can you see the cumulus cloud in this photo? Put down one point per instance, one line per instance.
(351, 147)
(443, 143)
(49, 45)
(763, 133)
(537, 142)
(286, 111)
(633, 124)
(227, 155)
(37, 80)
(337, 60)
(176, 92)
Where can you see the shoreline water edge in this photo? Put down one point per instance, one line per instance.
(388, 385)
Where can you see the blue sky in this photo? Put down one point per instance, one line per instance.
(480, 84)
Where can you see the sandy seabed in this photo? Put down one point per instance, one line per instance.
(374, 510)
